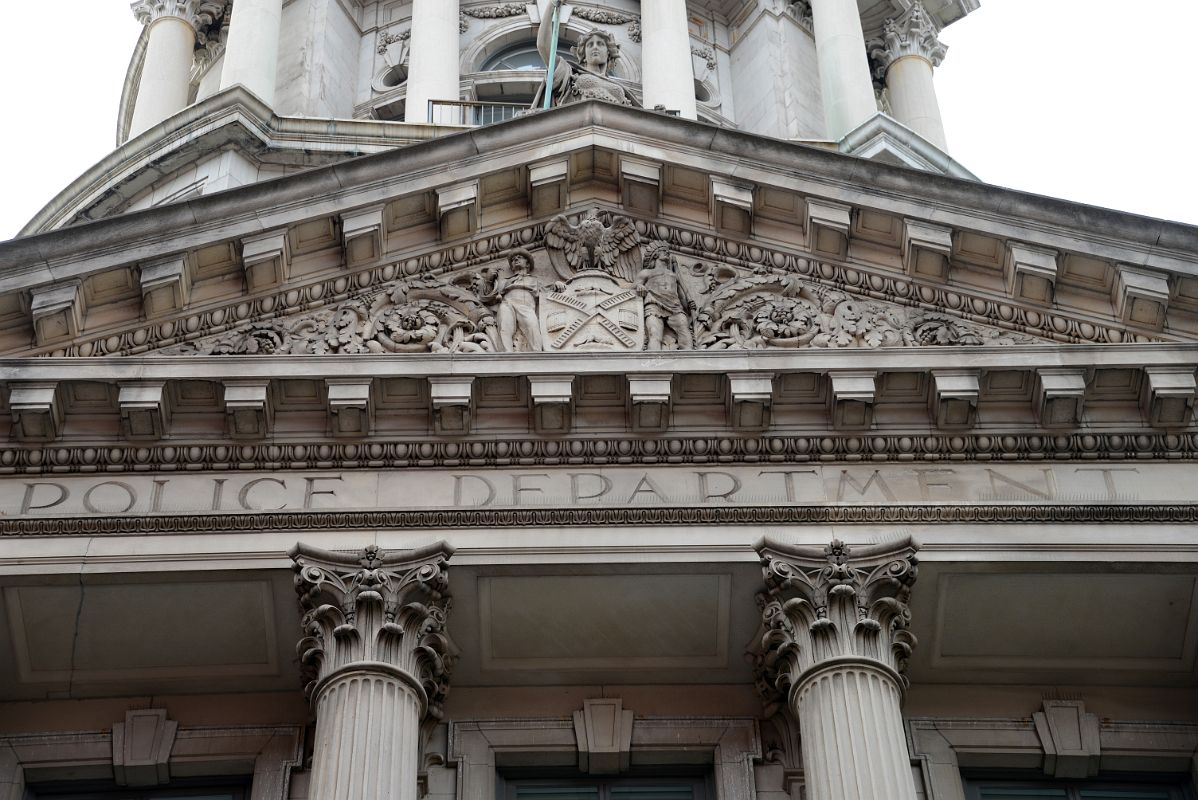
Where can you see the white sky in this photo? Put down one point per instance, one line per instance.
(1089, 100)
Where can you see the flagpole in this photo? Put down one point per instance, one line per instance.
(551, 67)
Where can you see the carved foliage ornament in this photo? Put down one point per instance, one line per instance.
(199, 13)
(616, 293)
(915, 33)
(500, 11)
(376, 607)
(840, 603)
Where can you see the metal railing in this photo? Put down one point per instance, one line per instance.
(472, 112)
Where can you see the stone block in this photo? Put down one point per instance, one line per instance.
(1060, 397)
(165, 286)
(1071, 739)
(650, 399)
(351, 411)
(1031, 272)
(1141, 298)
(457, 210)
(552, 398)
(248, 409)
(732, 208)
(452, 404)
(828, 227)
(926, 249)
(640, 186)
(57, 312)
(954, 398)
(1167, 396)
(549, 187)
(145, 410)
(603, 732)
(851, 397)
(750, 400)
(37, 411)
(362, 235)
(141, 748)
(266, 258)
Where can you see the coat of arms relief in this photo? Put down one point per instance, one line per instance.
(598, 286)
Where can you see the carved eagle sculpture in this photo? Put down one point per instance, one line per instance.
(614, 249)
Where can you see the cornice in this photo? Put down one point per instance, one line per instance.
(489, 519)
(327, 184)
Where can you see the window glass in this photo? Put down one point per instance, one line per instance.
(524, 56)
(1149, 788)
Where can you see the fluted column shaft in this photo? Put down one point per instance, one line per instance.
(668, 79)
(367, 741)
(166, 73)
(433, 72)
(252, 51)
(854, 747)
(377, 659)
(845, 82)
(833, 646)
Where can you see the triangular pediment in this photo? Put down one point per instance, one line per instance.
(861, 254)
(561, 305)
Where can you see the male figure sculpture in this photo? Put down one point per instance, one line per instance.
(667, 302)
(517, 294)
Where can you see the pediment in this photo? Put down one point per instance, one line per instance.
(751, 222)
(635, 292)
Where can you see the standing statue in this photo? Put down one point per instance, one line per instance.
(517, 296)
(667, 302)
(589, 79)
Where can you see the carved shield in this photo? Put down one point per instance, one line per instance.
(593, 313)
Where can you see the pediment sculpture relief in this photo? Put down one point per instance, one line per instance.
(602, 289)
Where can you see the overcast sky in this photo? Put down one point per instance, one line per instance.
(1089, 100)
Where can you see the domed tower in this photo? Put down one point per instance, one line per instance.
(546, 401)
(326, 80)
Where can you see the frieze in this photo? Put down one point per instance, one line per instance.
(708, 251)
(832, 448)
(301, 521)
(616, 292)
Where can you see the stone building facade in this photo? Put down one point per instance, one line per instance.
(711, 435)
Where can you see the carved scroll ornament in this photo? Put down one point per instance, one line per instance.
(843, 603)
(376, 607)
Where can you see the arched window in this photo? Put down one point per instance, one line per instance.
(524, 56)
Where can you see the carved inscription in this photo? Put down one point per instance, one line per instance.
(781, 485)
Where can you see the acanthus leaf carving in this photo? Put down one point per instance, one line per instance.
(373, 607)
(772, 308)
(824, 607)
(602, 17)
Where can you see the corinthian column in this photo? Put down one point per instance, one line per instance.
(845, 83)
(433, 72)
(377, 661)
(668, 79)
(166, 73)
(832, 652)
(252, 50)
(906, 56)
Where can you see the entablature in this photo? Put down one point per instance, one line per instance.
(1045, 268)
(982, 402)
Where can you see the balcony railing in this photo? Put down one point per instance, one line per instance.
(471, 112)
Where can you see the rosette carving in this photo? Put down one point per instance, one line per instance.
(379, 610)
(837, 604)
(417, 315)
(774, 309)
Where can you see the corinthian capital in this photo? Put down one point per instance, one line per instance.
(914, 33)
(832, 606)
(199, 14)
(377, 611)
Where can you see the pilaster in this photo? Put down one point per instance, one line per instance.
(833, 647)
(377, 660)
